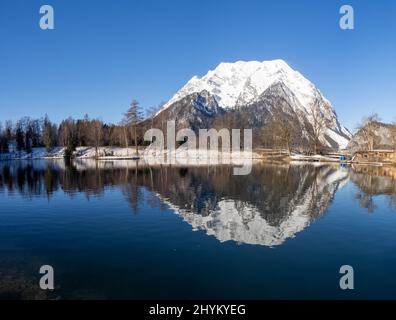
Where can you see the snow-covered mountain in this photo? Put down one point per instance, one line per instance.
(244, 83)
(230, 219)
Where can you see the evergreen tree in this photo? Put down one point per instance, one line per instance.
(48, 134)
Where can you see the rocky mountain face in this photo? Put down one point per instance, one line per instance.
(380, 135)
(259, 89)
(195, 111)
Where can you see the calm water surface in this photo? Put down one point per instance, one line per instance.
(121, 230)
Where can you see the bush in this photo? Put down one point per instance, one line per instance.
(69, 151)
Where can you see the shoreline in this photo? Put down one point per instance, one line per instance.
(180, 155)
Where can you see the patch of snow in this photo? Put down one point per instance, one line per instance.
(341, 141)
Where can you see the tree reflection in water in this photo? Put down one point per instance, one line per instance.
(266, 207)
(374, 181)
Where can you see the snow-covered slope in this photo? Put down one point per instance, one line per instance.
(242, 83)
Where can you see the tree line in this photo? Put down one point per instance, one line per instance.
(27, 133)
(279, 130)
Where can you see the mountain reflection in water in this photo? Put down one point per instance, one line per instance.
(270, 205)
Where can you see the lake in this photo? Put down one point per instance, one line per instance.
(123, 230)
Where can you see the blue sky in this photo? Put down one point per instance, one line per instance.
(104, 53)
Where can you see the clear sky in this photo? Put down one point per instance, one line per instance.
(104, 53)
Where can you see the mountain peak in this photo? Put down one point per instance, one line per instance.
(230, 81)
(241, 83)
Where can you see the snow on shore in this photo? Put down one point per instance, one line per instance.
(37, 153)
(81, 152)
(152, 156)
(320, 158)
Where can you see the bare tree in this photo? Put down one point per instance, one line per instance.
(368, 130)
(393, 135)
(115, 135)
(96, 134)
(67, 136)
(318, 124)
(152, 111)
(3, 140)
(132, 118)
(125, 133)
(282, 131)
(19, 136)
(83, 131)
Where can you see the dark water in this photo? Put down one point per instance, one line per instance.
(112, 230)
